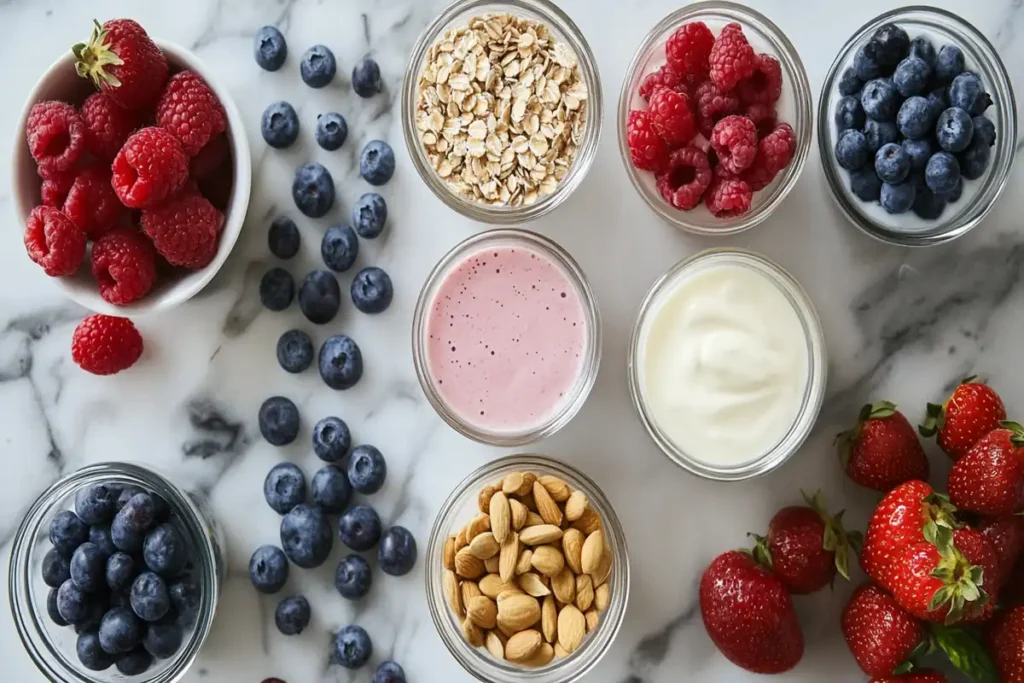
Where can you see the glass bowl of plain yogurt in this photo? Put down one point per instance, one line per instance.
(978, 196)
(727, 364)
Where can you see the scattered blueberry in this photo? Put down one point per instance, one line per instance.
(72, 603)
(91, 653)
(942, 173)
(878, 133)
(893, 44)
(163, 638)
(67, 532)
(911, 76)
(185, 595)
(892, 163)
(331, 130)
(352, 647)
(295, 351)
(366, 78)
(850, 83)
(984, 131)
(127, 493)
(389, 672)
(150, 600)
(915, 118)
(974, 160)
(864, 183)
(339, 248)
(922, 48)
(331, 439)
(128, 530)
(283, 238)
(852, 150)
(292, 615)
(270, 48)
(369, 215)
(88, 567)
(919, 151)
(331, 490)
(367, 469)
(359, 528)
(320, 297)
(340, 362)
(100, 535)
(135, 663)
(849, 113)
(277, 289)
(377, 162)
(268, 569)
(967, 93)
(371, 290)
(897, 198)
(279, 420)
(318, 66)
(56, 569)
(165, 550)
(120, 571)
(880, 99)
(313, 190)
(120, 631)
(949, 64)
(284, 487)
(353, 577)
(954, 196)
(397, 551)
(927, 204)
(954, 130)
(865, 61)
(52, 609)
(306, 536)
(96, 504)
(280, 125)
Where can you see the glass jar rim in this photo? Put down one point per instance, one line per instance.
(817, 369)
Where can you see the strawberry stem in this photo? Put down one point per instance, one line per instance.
(92, 57)
(935, 419)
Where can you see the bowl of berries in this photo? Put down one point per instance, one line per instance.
(131, 172)
(715, 118)
(916, 127)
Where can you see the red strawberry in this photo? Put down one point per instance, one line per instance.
(980, 552)
(882, 451)
(1012, 594)
(806, 546)
(989, 479)
(880, 634)
(936, 585)
(105, 344)
(913, 677)
(749, 615)
(1006, 534)
(972, 411)
(1005, 639)
(123, 61)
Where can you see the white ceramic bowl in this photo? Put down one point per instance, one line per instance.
(60, 82)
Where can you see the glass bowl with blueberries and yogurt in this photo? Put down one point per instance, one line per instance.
(115, 574)
(916, 127)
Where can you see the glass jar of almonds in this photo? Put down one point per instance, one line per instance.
(527, 572)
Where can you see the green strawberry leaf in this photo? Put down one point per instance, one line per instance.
(879, 410)
(935, 419)
(965, 653)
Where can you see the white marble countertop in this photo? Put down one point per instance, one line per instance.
(900, 324)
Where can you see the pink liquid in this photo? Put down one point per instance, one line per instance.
(505, 339)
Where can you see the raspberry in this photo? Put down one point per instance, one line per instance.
(728, 197)
(671, 117)
(764, 86)
(184, 230)
(758, 176)
(732, 59)
(54, 190)
(53, 241)
(712, 105)
(56, 137)
(687, 177)
(646, 149)
(763, 116)
(662, 78)
(688, 49)
(734, 140)
(209, 158)
(190, 111)
(149, 168)
(124, 265)
(107, 125)
(91, 203)
(104, 344)
(778, 147)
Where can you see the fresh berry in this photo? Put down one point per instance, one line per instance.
(892, 164)
(1005, 640)
(865, 61)
(330, 489)
(774, 152)
(973, 410)
(686, 178)
(313, 190)
(989, 478)
(389, 672)
(353, 577)
(359, 528)
(366, 469)
(99, 535)
(731, 59)
(688, 50)
(949, 64)
(318, 66)
(149, 598)
(897, 199)
(764, 86)
(149, 168)
(120, 571)
(279, 125)
(56, 569)
(306, 536)
(284, 487)
(396, 554)
(163, 638)
(734, 140)
(377, 162)
(128, 530)
(107, 125)
(879, 133)
(954, 130)
(88, 566)
(911, 76)
(54, 190)
(984, 131)
(185, 230)
(369, 215)
(749, 615)
(711, 104)
(165, 550)
(104, 344)
(73, 604)
(352, 647)
(123, 265)
(865, 185)
(319, 297)
(339, 248)
(942, 172)
(91, 203)
(647, 150)
(268, 569)
(278, 422)
(850, 83)
(852, 151)
(922, 48)
(331, 130)
(292, 615)
(927, 204)
(893, 45)
(186, 595)
(91, 654)
(366, 80)
(52, 610)
(664, 77)
(331, 439)
(933, 584)
(210, 159)
(122, 60)
(371, 290)
(269, 48)
(120, 631)
(849, 114)
(128, 491)
(974, 160)
(294, 351)
(340, 362)
(189, 110)
(764, 116)
(919, 151)
(277, 289)
(56, 137)
(881, 635)
(283, 238)
(880, 99)
(979, 550)
(671, 117)
(54, 242)
(914, 119)
(938, 100)
(134, 663)
(728, 197)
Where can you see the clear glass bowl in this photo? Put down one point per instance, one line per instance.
(979, 196)
(52, 647)
(817, 364)
(546, 12)
(458, 509)
(794, 107)
(573, 401)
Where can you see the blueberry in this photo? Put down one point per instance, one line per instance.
(67, 532)
(163, 638)
(100, 535)
(135, 663)
(280, 125)
(852, 150)
(97, 607)
(922, 48)
(949, 64)
(165, 550)
(911, 76)
(397, 551)
(96, 504)
(284, 487)
(849, 113)
(878, 133)
(850, 83)
(331, 439)
(331, 130)
(366, 469)
(91, 653)
(366, 78)
(52, 608)
(369, 215)
(120, 571)
(72, 603)
(127, 493)
(277, 289)
(974, 160)
(295, 351)
(56, 569)
(320, 297)
(371, 290)
(942, 173)
(954, 196)
(331, 489)
(306, 536)
(313, 190)
(892, 163)
(339, 248)
(128, 531)
(292, 615)
(967, 93)
(377, 162)
(283, 238)
(352, 647)
(919, 151)
(897, 198)
(270, 48)
(880, 99)
(359, 528)
(915, 118)
(318, 66)
(954, 130)
(88, 567)
(893, 44)
(340, 362)
(120, 631)
(185, 595)
(984, 131)
(150, 600)
(279, 420)
(938, 100)
(865, 61)
(268, 569)
(122, 597)
(927, 204)
(353, 577)
(389, 672)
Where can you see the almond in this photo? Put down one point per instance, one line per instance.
(593, 551)
(532, 519)
(560, 652)
(572, 627)
(460, 540)
(532, 585)
(589, 522)
(483, 499)
(522, 645)
(539, 535)
(452, 593)
(513, 589)
(482, 611)
(602, 596)
(518, 612)
(564, 586)
(524, 564)
(492, 565)
(492, 586)
(572, 548)
(484, 546)
(542, 657)
(469, 591)
(509, 556)
(547, 508)
(449, 553)
(467, 565)
(556, 488)
(511, 483)
(584, 592)
(501, 517)
(548, 560)
(519, 514)
(527, 500)
(494, 645)
(593, 619)
(527, 487)
(605, 569)
(472, 633)
(549, 619)
(477, 526)
(575, 505)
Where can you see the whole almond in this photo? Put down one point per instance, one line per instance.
(593, 619)
(589, 522)
(533, 519)
(513, 589)
(518, 612)
(519, 514)
(584, 592)
(472, 633)
(604, 570)
(548, 560)
(521, 646)
(452, 593)
(482, 611)
(575, 505)
(477, 525)
(469, 591)
(483, 499)
(572, 548)
(524, 564)
(557, 488)
(549, 619)
(532, 585)
(602, 596)
(547, 508)
(492, 586)
(492, 564)
(593, 551)
(564, 586)
(511, 483)
(484, 545)
(572, 627)
(494, 645)
(449, 553)
(542, 657)
(467, 565)
(560, 652)
(460, 540)
(509, 556)
(501, 517)
(527, 485)
(539, 535)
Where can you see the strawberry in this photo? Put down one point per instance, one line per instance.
(989, 479)
(1005, 639)
(980, 552)
(1012, 594)
(882, 451)
(881, 635)
(806, 546)
(913, 677)
(935, 585)
(1006, 534)
(123, 61)
(749, 615)
(972, 411)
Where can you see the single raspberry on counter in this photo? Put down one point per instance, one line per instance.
(122, 60)
(124, 265)
(688, 175)
(56, 137)
(54, 242)
(210, 157)
(91, 203)
(107, 125)
(734, 140)
(105, 344)
(688, 49)
(763, 116)
(671, 117)
(711, 105)
(662, 78)
(54, 190)
(149, 168)
(764, 86)
(728, 197)
(646, 148)
(732, 59)
(184, 230)
(190, 110)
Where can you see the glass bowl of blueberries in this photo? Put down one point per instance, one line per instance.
(916, 127)
(114, 575)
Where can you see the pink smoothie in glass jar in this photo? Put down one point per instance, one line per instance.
(506, 338)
